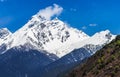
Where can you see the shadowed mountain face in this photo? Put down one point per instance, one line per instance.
(105, 63)
(64, 64)
(21, 63)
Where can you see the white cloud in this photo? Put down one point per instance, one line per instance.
(5, 20)
(84, 27)
(93, 24)
(72, 9)
(51, 11)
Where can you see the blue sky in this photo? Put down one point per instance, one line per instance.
(91, 16)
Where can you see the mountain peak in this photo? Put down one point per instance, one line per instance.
(56, 18)
(49, 35)
(4, 29)
(40, 17)
(4, 32)
(105, 32)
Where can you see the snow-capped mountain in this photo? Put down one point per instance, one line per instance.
(4, 34)
(46, 46)
(49, 35)
(53, 36)
(83, 50)
(99, 39)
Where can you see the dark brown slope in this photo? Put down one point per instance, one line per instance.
(105, 63)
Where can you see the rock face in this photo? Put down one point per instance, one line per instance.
(4, 33)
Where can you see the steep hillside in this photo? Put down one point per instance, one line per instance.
(105, 63)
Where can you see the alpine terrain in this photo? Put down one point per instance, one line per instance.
(42, 48)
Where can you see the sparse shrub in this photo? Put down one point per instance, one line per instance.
(119, 55)
(117, 68)
(84, 73)
(100, 60)
(118, 42)
(112, 57)
(96, 72)
(73, 75)
(108, 51)
(102, 65)
(109, 61)
(113, 74)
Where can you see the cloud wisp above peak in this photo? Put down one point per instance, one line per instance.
(93, 24)
(73, 9)
(84, 27)
(51, 11)
(5, 20)
(90, 25)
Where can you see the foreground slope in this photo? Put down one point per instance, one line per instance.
(105, 63)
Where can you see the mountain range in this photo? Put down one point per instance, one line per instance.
(42, 48)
